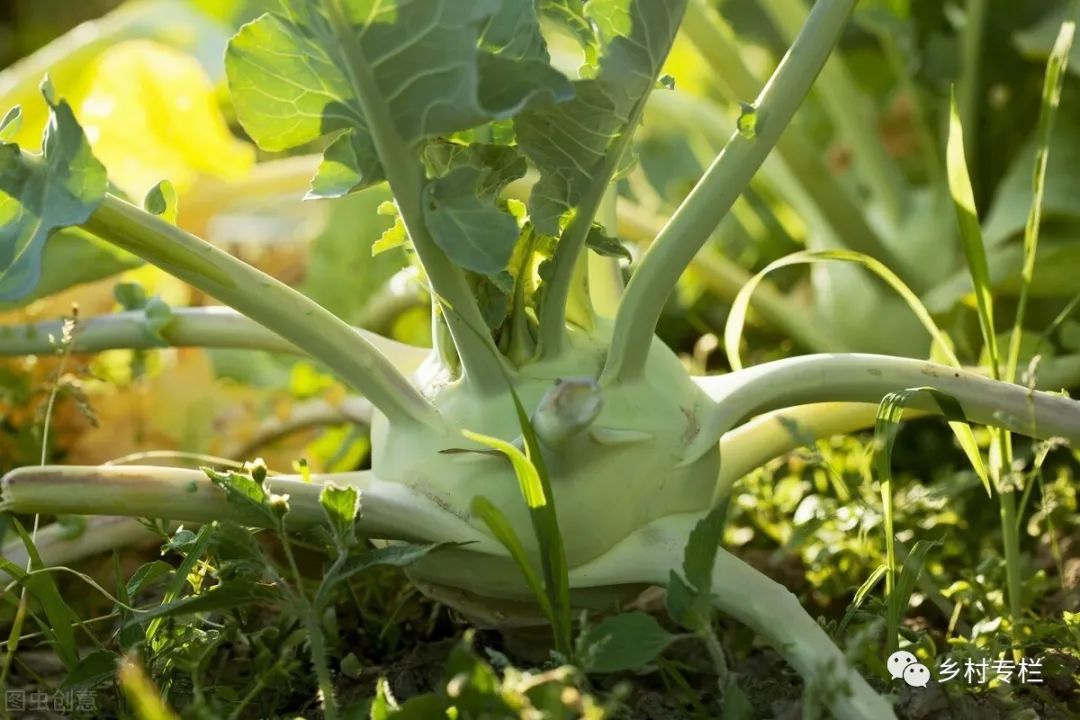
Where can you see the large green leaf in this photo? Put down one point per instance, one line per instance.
(442, 66)
(40, 194)
(570, 142)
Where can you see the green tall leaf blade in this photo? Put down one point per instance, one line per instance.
(40, 194)
(971, 234)
(570, 142)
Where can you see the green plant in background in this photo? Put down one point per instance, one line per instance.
(452, 107)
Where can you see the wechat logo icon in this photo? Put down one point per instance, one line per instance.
(903, 664)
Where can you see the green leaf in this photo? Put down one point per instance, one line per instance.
(513, 32)
(11, 124)
(71, 257)
(681, 599)
(701, 550)
(161, 200)
(40, 194)
(689, 601)
(603, 244)
(504, 532)
(159, 316)
(290, 85)
(971, 233)
(157, 313)
(341, 506)
(342, 276)
(221, 597)
(736, 705)
(42, 587)
(145, 575)
(474, 234)
(250, 496)
(497, 164)
(622, 642)
(130, 295)
(194, 545)
(383, 706)
(569, 142)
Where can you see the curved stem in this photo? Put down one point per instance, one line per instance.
(771, 610)
(768, 436)
(773, 434)
(867, 379)
(851, 112)
(479, 356)
(268, 302)
(391, 510)
(825, 197)
(723, 182)
(208, 327)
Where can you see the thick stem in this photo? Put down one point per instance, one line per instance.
(572, 243)
(208, 327)
(751, 445)
(479, 356)
(867, 379)
(740, 591)
(698, 216)
(851, 113)
(390, 510)
(268, 302)
(754, 443)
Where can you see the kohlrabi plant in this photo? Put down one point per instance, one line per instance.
(545, 373)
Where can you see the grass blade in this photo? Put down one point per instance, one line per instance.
(43, 588)
(737, 319)
(898, 587)
(503, 531)
(536, 489)
(1053, 83)
(971, 234)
